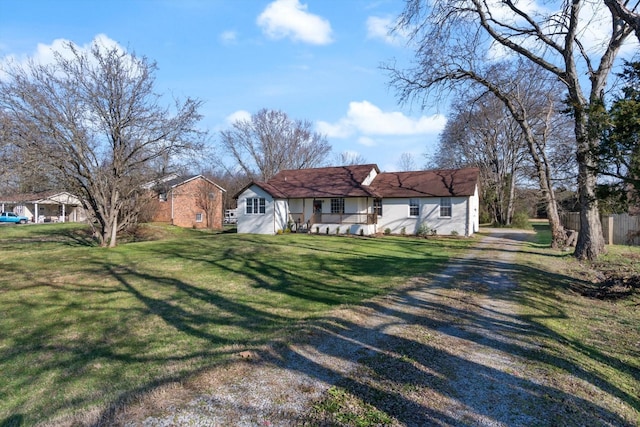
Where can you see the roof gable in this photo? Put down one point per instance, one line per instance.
(55, 197)
(184, 180)
(172, 181)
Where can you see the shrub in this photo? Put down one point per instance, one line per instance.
(454, 232)
(317, 230)
(423, 230)
(337, 230)
(403, 231)
(327, 230)
(278, 232)
(387, 231)
(521, 220)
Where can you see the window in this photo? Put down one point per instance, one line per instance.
(414, 207)
(445, 207)
(377, 207)
(337, 206)
(162, 197)
(255, 206)
(198, 217)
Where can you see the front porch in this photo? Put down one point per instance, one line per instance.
(332, 223)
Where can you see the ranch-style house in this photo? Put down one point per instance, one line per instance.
(359, 199)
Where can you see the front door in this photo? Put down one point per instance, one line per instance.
(317, 211)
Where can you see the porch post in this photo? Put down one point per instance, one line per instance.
(35, 212)
(63, 212)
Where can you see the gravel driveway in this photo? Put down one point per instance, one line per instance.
(447, 349)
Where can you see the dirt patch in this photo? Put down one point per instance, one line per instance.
(614, 286)
(609, 279)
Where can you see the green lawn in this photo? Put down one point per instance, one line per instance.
(85, 327)
(595, 338)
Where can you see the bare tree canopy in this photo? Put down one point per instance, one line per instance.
(406, 163)
(458, 40)
(628, 11)
(93, 117)
(270, 141)
(349, 158)
(480, 133)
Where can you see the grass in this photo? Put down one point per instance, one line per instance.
(85, 328)
(584, 357)
(596, 338)
(346, 409)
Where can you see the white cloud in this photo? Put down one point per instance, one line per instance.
(369, 120)
(289, 18)
(240, 115)
(228, 37)
(366, 141)
(380, 28)
(45, 53)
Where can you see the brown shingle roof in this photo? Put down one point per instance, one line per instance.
(338, 181)
(28, 197)
(346, 181)
(431, 183)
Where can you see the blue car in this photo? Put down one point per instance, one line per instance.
(11, 217)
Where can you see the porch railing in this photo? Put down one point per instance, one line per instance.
(325, 218)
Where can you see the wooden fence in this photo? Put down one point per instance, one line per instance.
(619, 229)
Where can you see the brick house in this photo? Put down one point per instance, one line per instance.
(194, 201)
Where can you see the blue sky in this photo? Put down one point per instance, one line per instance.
(316, 60)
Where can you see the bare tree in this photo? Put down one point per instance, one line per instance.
(270, 142)
(628, 11)
(455, 37)
(406, 163)
(481, 133)
(348, 158)
(207, 198)
(94, 118)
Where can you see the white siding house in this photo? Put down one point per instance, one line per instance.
(361, 200)
(45, 207)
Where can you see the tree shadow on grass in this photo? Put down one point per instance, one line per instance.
(396, 372)
(394, 364)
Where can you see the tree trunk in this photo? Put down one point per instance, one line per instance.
(512, 195)
(590, 242)
(558, 237)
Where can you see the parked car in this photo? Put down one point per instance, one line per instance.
(230, 216)
(13, 218)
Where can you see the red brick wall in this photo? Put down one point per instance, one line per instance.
(197, 196)
(161, 209)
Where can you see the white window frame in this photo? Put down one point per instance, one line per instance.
(255, 206)
(414, 204)
(199, 217)
(377, 206)
(446, 207)
(337, 206)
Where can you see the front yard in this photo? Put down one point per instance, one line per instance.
(87, 329)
